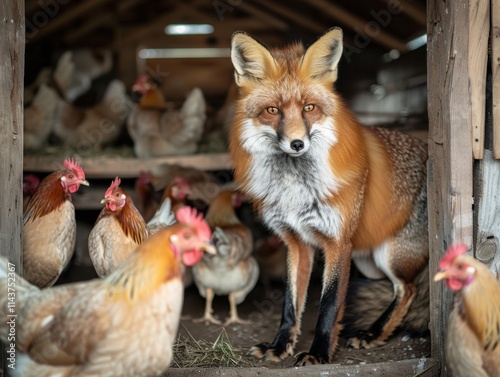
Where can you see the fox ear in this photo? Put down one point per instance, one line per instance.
(251, 60)
(322, 57)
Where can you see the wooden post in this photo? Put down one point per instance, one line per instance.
(495, 68)
(450, 149)
(12, 32)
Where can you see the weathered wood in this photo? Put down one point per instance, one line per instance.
(479, 24)
(108, 167)
(405, 368)
(12, 32)
(11, 124)
(450, 149)
(495, 68)
(487, 245)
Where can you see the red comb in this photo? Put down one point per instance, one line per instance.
(141, 80)
(181, 182)
(114, 185)
(71, 164)
(453, 251)
(190, 216)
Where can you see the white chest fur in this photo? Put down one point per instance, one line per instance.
(294, 189)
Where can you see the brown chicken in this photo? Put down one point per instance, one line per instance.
(85, 329)
(233, 271)
(473, 339)
(50, 225)
(147, 201)
(158, 131)
(118, 231)
(176, 192)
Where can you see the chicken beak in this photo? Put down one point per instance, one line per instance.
(207, 247)
(84, 182)
(103, 201)
(441, 275)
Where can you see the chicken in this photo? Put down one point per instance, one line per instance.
(473, 340)
(233, 271)
(157, 131)
(203, 186)
(90, 128)
(176, 192)
(118, 230)
(30, 184)
(40, 116)
(76, 69)
(50, 226)
(270, 253)
(163, 218)
(85, 329)
(147, 202)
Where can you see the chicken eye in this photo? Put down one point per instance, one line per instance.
(308, 108)
(70, 176)
(117, 194)
(460, 267)
(272, 110)
(187, 236)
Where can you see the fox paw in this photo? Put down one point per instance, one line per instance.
(268, 351)
(366, 340)
(305, 358)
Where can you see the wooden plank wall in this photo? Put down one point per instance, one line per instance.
(450, 181)
(11, 124)
(11, 133)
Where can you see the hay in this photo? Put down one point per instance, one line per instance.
(192, 353)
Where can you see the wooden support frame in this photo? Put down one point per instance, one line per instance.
(450, 165)
(495, 68)
(12, 30)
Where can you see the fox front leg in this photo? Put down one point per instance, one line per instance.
(299, 261)
(331, 309)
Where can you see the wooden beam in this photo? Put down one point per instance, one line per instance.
(12, 30)
(299, 19)
(450, 165)
(273, 22)
(105, 18)
(479, 24)
(495, 67)
(58, 21)
(360, 25)
(412, 10)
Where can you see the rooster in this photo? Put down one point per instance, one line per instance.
(50, 225)
(157, 131)
(233, 271)
(473, 339)
(118, 231)
(84, 329)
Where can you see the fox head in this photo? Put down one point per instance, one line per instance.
(286, 95)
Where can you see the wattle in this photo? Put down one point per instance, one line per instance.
(73, 188)
(111, 206)
(191, 257)
(454, 284)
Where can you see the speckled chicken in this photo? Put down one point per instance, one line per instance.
(50, 225)
(118, 231)
(233, 271)
(473, 340)
(120, 326)
(158, 131)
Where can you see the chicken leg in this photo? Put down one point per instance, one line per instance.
(233, 312)
(208, 317)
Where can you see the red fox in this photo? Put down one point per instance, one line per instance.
(320, 180)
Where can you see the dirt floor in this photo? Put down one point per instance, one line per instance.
(197, 341)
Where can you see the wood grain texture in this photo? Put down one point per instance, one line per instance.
(479, 24)
(487, 245)
(450, 148)
(495, 68)
(11, 124)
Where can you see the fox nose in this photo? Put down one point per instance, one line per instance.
(297, 145)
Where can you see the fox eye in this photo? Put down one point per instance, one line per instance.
(272, 110)
(309, 107)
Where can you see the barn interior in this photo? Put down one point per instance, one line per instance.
(76, 50)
